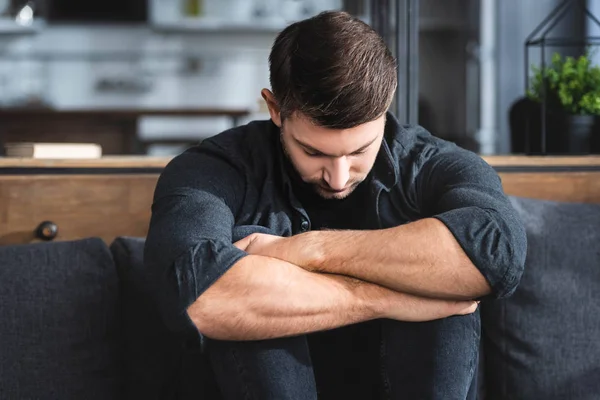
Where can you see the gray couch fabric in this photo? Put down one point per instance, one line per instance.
(542, 343)
(66, 310)
(59, 330)
(159, 364)
(150, 355)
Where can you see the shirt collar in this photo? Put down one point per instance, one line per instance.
(386, 168)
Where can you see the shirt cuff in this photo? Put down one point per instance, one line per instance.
(193, 272)
(490, 245)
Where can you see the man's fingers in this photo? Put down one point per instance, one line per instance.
(244, 243)
(466, 307)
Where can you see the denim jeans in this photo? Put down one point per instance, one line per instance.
(381, 359)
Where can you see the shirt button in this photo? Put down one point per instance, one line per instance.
(304, 226)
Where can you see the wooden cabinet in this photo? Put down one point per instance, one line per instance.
(563, 178)
(78, 206)
(105, 198)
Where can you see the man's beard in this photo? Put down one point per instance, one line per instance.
(325, 192)
(319, 186)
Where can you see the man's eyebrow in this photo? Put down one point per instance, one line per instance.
(313, 150)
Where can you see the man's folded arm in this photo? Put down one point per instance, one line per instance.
(200, 279)
(230, 295)
(463, 192)
(469, 244)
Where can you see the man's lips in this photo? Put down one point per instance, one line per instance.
(329, 190)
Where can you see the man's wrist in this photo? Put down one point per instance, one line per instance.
(312, 252)
(370, 297)
(327, 251)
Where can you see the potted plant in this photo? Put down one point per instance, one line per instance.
(571, 89)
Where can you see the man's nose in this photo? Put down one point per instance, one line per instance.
(337, 173)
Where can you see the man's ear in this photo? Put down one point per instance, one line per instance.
(272, 106)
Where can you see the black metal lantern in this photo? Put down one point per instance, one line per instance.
(539, 119)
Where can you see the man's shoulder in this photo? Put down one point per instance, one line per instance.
(413, 144)
(419, 153)
(243, 147)
(414, 150)
(241, 153)
(252, 138)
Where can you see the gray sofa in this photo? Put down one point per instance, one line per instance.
(77, 323)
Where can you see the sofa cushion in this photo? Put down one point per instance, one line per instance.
(159, 364)
(59, 329)
(541, 343)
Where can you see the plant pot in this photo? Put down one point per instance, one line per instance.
(563, 133)
(579, 131)
(527, 130)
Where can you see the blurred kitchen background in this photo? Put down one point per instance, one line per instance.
(153, 76)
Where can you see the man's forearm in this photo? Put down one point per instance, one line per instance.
(262, 298)
(421, 258)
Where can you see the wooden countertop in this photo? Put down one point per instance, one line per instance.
(104, 162)
(160, 162)
(543, 161)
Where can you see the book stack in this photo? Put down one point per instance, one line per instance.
(53, 150)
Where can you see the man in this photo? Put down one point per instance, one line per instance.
(332, 251)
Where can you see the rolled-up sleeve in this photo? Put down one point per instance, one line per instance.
(189, 243)
(465, 193)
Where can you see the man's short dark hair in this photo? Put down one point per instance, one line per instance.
(333, 69)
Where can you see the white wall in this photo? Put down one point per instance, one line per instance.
(233, 69)
(233, 65)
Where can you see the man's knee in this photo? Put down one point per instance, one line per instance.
(431, 360)
(263, 369)
(464, 330)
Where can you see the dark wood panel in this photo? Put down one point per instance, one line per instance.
(114, 129)
(81, 206)
(116, 136)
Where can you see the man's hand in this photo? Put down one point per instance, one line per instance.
(293, 249)
(410, 308)
(422, 258)
(383, 302)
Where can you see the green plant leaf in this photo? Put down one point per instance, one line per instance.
(567, 83)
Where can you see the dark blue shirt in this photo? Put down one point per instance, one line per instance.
(237, 182)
